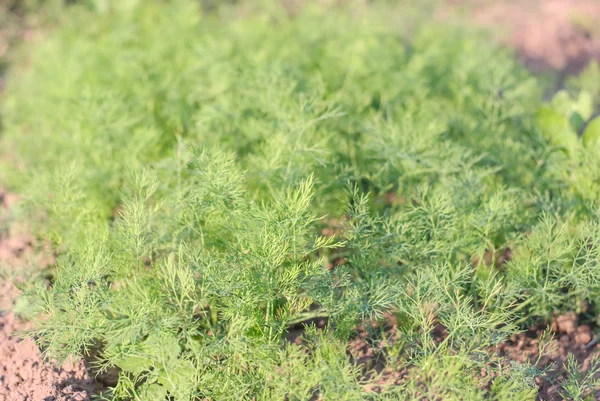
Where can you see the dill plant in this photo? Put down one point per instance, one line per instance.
(186, 165)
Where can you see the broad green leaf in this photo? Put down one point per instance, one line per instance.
(177, 376)
(562, 103)
(591, 135)
(585, 105)
(556, 128)
(153, 392)
(162, 345)
(135, 364)
(566, 106)
(576, 122)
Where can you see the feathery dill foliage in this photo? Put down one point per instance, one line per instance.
(211, 184)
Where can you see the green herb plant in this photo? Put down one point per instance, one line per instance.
(231, 198)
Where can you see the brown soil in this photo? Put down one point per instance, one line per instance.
(24, 376)
(561, 35)
(570, 338)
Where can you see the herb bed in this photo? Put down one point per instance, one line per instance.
(275, 208)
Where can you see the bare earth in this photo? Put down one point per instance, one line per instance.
(24, 376)
(561, 35)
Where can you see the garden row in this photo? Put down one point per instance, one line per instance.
(212, 184)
